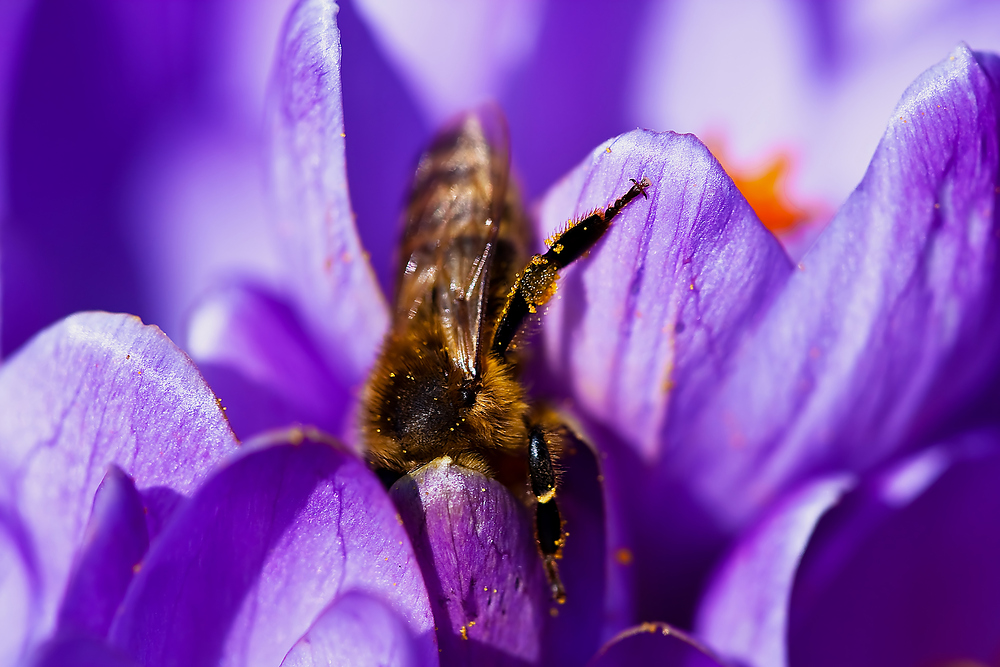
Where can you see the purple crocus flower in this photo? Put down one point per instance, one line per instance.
(732, 396)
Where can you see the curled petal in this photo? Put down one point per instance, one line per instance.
(358, 630)
(476, 547)
(744, 613)
(334, 283)
(262, 364)
(113, 544)
(903, 571)
(93, 390)
(654, 644)
(244, 568)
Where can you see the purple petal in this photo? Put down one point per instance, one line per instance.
(357, 629)
(245, 567)
(574, 633)
(476, 547)
(262, 365)
(113, 544)
(654, 644)
(19, 590)
(904, 571)
(385, 134)
(744, 613)
(886, 329)
(335, 286)
(889, 326)
(574, 90)
(78, 651)
(641, 332)
(454, 54)
(93, 390)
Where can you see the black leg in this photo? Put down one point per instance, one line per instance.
(536, 283)
(548, 524)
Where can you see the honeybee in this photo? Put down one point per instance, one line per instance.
(446, 381)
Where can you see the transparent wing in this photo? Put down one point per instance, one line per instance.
(451, 230)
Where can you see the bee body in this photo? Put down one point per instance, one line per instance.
(445, 383)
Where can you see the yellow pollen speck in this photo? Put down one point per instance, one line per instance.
(387, 558)
(558, 248)
(464, 632)
(392, 375)
(608, 149)
(691, 286)
(624, 556)
(485, 589)
(342, 135)
(471, 623)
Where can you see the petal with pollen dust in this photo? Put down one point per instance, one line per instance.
(476, 547)
(93, 390)
(245, 567)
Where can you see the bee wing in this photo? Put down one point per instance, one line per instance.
(451, 230)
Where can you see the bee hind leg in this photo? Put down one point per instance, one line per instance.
(548, 523)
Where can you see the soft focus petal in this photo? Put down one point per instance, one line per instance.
(573, 633)
(335, 285)
(476, 547)
(744, 613)
(386, 132)
(573, 92)
(653, 644)
(356, 630)
(93, 390)
(904, 571)
(262, 364)
(79, 651)
(113, 544)
(19, 589)
(641, 331)
(815, 80)
(244, 568)
(455, 53)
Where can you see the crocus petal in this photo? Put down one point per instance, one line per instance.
(79, 651)
(335, 285)
(744, 613)
(904, 570)
(654, 644)
(455, 54)
(884, 330)
(93, 390)
(19, 589)
(262, 364)
(476, 547)
(574, 632)
(641, 331)
(889, 325)
(114, 543)
(244, 568)
(359, 630)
